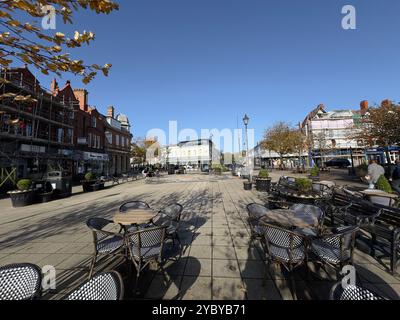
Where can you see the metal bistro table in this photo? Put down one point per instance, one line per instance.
(134, 217)
(289, 218)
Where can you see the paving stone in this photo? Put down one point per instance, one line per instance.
(225, 268)
(200, 252)
(196, 288)
(224, 252)
(247, 253)
(228, 289)
(198, 267)
(222, 241)
(253, 269)
(162, 288)
(257, 290)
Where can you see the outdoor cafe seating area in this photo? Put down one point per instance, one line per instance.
(293, 229)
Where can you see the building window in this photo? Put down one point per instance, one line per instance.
(94, 122)
(109, 137)
(60, 135)
(70, 135)
(117, 140)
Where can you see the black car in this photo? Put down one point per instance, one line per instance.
(341, 163)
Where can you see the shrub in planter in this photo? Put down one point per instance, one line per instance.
(217, 169)
(263, 181)
(91, 183)
(24, 196)
(304, 185)
(383, 184)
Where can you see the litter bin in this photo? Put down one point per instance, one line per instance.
(61, 181)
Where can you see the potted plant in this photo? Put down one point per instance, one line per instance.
(384, 185)
(263, 181)
(44, 194)
(217, 169)
(314, 174)
(24, 194)
(247, 185)
(303, 185)
(91, 183)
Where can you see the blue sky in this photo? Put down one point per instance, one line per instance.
(203, 63)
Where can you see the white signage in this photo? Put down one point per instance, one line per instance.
(33, 148)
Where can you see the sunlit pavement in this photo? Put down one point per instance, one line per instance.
(216, 260)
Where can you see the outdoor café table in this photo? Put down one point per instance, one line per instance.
(287, 218)
(134, 217)
(299, 197)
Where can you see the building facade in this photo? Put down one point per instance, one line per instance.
(36, 128)
(117, 142)
(44, 130)
(330, 134)
(195, 153)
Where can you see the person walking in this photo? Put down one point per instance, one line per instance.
(374, 172)
(395, 177)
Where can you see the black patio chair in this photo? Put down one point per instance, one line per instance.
(352, 292)
(20, 281)
(145, 246)
(286, 248)
(105, 242)
(169, 217)
(255, 212)
(336, 249)
(103, 286)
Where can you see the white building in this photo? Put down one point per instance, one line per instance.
(195, 153)
(331, 131)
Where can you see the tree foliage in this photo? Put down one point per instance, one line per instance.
(28, 43)
(379, 126)
(283, 139)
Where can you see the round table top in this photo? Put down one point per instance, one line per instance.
(289, 218)
(375, 192)
(134, 216)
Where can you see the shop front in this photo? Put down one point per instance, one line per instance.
(90, 162)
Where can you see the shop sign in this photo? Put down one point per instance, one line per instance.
(33, 148)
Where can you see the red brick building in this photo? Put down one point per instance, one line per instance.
(118, 141)
(36, 135)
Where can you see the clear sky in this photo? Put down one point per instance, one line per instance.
(205, 62)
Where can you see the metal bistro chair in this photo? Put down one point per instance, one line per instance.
(105, 242)
(285, 248)
(20, 281)
(169, 217)
(352, 292)
(103, 286)
(256, 211)
(145, 246)
(336, 249)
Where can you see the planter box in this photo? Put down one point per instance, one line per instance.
(313, 178)
(247, 185)
(93, 185)
(263, 184)
(44, 197)
(21, 198)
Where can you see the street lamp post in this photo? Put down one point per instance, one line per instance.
(246, 120)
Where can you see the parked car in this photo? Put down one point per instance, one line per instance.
(205, 168)
(341, 163)
(188, 168)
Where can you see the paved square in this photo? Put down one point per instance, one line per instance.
(217, 260)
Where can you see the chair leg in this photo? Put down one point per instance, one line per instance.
(92, 266)
(292, 283)
(135, 292)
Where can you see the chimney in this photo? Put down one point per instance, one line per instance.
(82, 96)
(363, 107)
(110, 112)
(386, 103)
(54, 87)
